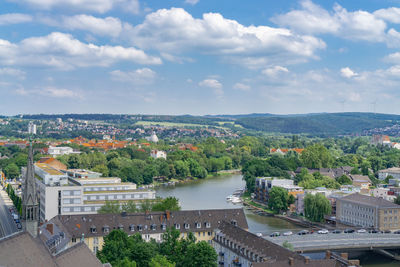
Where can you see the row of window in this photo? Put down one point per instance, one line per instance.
(71, 192)
(80, 209)
(153, 227)
(107, 188)
(117, 196)
(71, 201)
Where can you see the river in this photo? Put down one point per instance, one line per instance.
(211, 194)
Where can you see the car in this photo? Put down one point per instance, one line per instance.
(373, 231)
(323, 231)
(386, 232)
(303, 232)
(396, 232)
(274, 234)
(336, 231)
(288, 233)
(349, 231)
(19, 226)
(259, 234)
(361, 231)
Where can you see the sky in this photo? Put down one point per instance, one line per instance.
(199, 56)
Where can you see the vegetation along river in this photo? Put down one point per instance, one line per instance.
(211, 194)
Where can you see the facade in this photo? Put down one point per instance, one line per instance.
(31, 128)
(368, 212)
(92, 228)
(265, 184)
(394, 172)
(385, 193)
(156, 154)
(56, 151)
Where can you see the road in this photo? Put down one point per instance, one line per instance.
(7, 224)
(318, 242)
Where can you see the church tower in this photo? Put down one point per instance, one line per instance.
(30, 204)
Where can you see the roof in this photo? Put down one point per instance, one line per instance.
(76, 225)
(50, 170)
(263, 248)
(21, 249)
(360, 178)
(369, 200)
(298, 263)
(391, 170)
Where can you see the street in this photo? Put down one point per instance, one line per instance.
(7, 224)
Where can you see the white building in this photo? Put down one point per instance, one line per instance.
(156, 154)
(31, 128)
(61, 150)
(49, 175)
(153, 138)
(381, 192)
(394, 172)
(82, 195)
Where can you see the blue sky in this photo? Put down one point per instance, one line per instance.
(199, 56)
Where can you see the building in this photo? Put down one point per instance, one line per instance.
(330, 172)
(385, 193)
(30, 201)
(52, 162)
(56, 151)
(81, 191)
(368, 212)
(21, 249)
(394, 172)
(153, 138)
(238, 247)
(361, 181)
(156, 154)
(31, 128)
(92, 228)
(265, 184)
(380, 140)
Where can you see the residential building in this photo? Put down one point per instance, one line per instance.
(385, 193)
(265, 184)
(155, 154)
(367, 211)
(330, 172)
(31, 128)
(284, 151)
(81, 191)
(151, 225)
(361, 181)
(56, 151)
(380, 140)
(394, 172)
(238, 247)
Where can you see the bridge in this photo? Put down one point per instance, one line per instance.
(355, 241)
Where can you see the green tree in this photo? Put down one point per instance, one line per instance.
(110, 207)
(397, 200)
(101, 169)
(316, 207)
(130, 207)
(11, 171)
(200, 254)
(160, 261)
(316, 156)
(169, 203)
(115, 247)
(125, 263)
(344, 180)
(278, 199)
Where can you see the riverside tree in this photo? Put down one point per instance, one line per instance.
(316, 207)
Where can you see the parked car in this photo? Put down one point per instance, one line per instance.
(303, 232)
(361, 231)
(275, 234)
(348, 231)
(396, 232)
(336, 231)
(323, 231)
(288, 233)
(373, 231)
(386, 232)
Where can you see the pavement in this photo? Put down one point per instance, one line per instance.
(7, 223)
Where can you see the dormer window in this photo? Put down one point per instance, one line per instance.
(234, 222)
(93, 229)
(153, 227)
(186, 225)
(132, 227)
(177, 226)
(207, 224)
(163, 226)
(139, 227)
(106, 229)
(120, 227)
(198, 225)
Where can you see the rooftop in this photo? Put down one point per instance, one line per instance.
(369, 200)
(393, 170)
(48, 169)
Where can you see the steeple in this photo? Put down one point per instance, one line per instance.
(30, 204)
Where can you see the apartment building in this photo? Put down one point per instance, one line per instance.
(93, 228)
(56, 151)
(265, 184)
(62, 194)
(394, 172)
(368, 212)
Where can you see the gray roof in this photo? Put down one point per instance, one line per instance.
(391, 170)
(21, 249)
(299, 263)
(76, 225)
(263, 248)
(360, 178)
(369, 200)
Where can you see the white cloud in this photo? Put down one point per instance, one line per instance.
(13, 72)
(391, 14)
(100, 6)
(275, 71)
(175, 31)
(14, 18)
(100, 26)
(63, 51)
(213, 84)
(393, 58)
(139, 76)
(192, 2)
(313, 19)
(241, 86)
(53, 92)
(347, 72)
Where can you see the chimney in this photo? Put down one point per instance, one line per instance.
(168, 214)
(49, 227)
(291, 261)
(328, 254)
(307, 259)
(344, 255)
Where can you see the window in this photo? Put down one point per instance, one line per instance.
(120, 227)
(198, 225)
(132, 227)
(186, 225)
(153, 227)
(177, 226)
(139, 227)
(93, 229)
(208, 225)
(66, 201)
(73, 239)
(66, 193)
(106, 229)
(163, 226)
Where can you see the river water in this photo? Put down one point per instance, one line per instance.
(211, 194)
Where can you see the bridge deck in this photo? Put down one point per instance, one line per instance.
(321, 242)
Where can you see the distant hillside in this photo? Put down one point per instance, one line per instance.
(325, 123)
